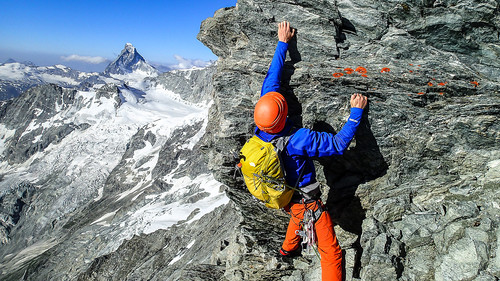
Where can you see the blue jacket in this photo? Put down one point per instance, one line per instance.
(304, 143)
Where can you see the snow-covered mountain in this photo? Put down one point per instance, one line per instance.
(17, 77)
(84, 167)
(130, 61)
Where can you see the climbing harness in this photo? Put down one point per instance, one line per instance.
(308, 232)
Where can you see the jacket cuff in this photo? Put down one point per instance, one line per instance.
(282, 44)
(356, 114)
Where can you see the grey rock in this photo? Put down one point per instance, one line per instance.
(463, 262)
(390, 209)
(415, 197)
(460, 210)
(188, 83)
(12, 203)
(420, 173)
(33, 108)
(420, 263)
(109, 91)
(485, 277)
(39, 102)
(494, 264)
(12, 89)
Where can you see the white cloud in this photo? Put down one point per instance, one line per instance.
(86, 59)
(184, 63)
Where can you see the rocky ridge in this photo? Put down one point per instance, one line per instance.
(185, 82)
(84, 171)
(414, 198)
(416, 195)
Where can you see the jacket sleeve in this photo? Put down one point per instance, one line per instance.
(306, 142)
(273, 77)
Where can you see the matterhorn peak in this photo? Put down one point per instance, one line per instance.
(129, 61)
(129, 48)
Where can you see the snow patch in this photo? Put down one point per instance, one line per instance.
(176, 258)
(62, 67)
(83, 75)
(190, 244)
(103, 221)
(197, 137)
(158, 215)
(37, 138)
(12, 71)
(57, 79)
(37, 111)
(5, 135)
(181, 253)
(134, 79)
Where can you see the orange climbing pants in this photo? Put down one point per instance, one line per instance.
(328, 246)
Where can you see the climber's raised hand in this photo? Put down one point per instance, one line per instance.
(285, 33)
(359, 101)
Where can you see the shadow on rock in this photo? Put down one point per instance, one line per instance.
(341, 38)
(294, 106)
(345, 173)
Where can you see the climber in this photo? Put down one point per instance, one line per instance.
(270, 116)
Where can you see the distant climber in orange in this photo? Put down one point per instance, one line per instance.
(270, 116)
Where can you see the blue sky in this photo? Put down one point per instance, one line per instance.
(47, 31)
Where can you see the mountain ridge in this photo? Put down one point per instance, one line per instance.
(81, 163)
(17, 77)
(130, 61)
(414, 197)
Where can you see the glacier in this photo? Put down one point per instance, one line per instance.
(120, 132)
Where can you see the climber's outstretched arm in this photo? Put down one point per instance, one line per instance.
(273, 77)
(306, 142)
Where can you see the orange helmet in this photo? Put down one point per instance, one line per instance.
(270, 113)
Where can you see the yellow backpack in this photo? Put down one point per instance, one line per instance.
(262, 169)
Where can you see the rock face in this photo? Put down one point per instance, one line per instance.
(12, 203)
(36, 106)
(86, 176)
(416, 196)
(185, 82)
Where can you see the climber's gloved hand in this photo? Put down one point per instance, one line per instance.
(359, 101)
(285, 32)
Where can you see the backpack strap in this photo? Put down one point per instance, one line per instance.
(280, 143)
(279, 146)
(309, 192)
